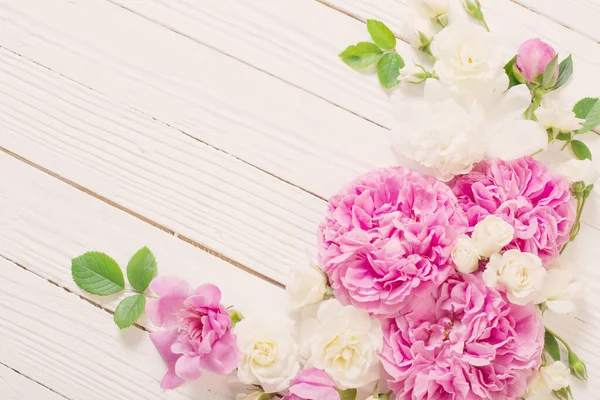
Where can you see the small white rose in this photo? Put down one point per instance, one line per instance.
(413, 74)
(307, 286)
(270, 354)
(522, 274)
(432, 8)
(560, 291)
(578, 171)
(556, 375)
(344, 342)
(465, 255)
(420, 31)
(491, 234)
(552, 115)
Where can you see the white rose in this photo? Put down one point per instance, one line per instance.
(432, 8)
(578, 170)
(556, 375)
(552, 115)
(419, 31)
(559, 290)
(253, 395)
(413, 74)
(307, 286)
(270, 354)
(465, 255)
(491, 234)
(520, 273)
(344, 342)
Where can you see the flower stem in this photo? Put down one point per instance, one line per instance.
(567, 142)
(536, 100)
(563, 341)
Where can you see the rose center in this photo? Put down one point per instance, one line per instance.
(263, 353)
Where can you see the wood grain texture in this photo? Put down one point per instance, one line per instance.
(155, 170)
(14, 386)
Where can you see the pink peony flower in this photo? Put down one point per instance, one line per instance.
(537, 203)
(462, 341)
(533, 57)
(198, 335)
(387, 235)
(312, 384)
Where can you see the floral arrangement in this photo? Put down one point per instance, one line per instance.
(433, 277)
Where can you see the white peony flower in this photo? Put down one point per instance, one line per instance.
(520, 273)
(559, 290)
(491, 234)
(344, 342)
(270, 354)
(578, 170)
(307, 286)
(552, 115)
(556, 375)
(432, 8)
(465, 255)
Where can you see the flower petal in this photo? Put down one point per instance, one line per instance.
(188, 368)
(516, 139)
(163, 340)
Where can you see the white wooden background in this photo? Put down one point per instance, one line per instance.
(212, 131)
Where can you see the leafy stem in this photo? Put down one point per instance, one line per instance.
(560, 339)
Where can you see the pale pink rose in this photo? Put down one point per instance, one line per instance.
(198, 335)
(533, 57)
(387, 235)
(462, 341)
(537, 203)
(312, 384)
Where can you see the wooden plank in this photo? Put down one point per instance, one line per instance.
(14, 386)
(578, 15)
(155, 170)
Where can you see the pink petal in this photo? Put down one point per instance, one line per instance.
(224, 356)
(172, 292)
(188, 368)
(210, 295)
(163, 340)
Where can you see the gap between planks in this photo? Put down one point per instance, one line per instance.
(33, 380)
(142, 218)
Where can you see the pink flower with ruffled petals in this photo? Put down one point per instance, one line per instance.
(198, 335)
(537, 203)
(462, 341)
(387, 235)
(312, 384)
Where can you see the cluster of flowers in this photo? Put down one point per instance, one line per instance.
(433, 277)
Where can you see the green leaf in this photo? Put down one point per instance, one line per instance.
(580, 150)
(508, 68)
(129, 310)
(381, 34)
(362, 55)
(348, 394)
(97, 273)
(388, 69)
(549, 73)
(141, 269)
(588, 109)
(551, 346)
(564, 136)
(565, 70)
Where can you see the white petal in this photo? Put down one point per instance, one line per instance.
(561, 306)
(516, 139)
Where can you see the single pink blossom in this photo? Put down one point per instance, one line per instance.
(198, 330)
(533, 57)
(312, 384)
(464, 341)
(387, 235)
(537, 203)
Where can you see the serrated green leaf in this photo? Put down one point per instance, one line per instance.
(508, 68)
(348, 394)
(381, 34)
(361, 55)
(551, 346)
(129, 310)
(548, 77)
(388, 69)
(97, 273)
(580, 150)
(141, 269)
(588, 109)
(565, 70)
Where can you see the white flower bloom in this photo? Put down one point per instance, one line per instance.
(556, 375)
(465, 255)
(270, 354)
(552, 115)
(419, 31)
(432, 8)
(307, 286)
(559, 290)
(252, 395)
(491, 234)
(578, 170)
(413, 74)
(344, 342)
(520, 273)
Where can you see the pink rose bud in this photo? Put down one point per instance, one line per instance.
(533, 57)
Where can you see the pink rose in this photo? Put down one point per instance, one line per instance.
(312, 384)
(533, 57)
(198, 335)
